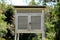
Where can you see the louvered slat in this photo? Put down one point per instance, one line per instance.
(22, 22)
(36, 22)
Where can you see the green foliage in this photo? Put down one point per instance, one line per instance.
(32, 3)
(3, 24)
(53, 23)
(57, 22)
(6, 18)
(50, 27)
(2, 39)
(10, 22)
(50, 32)
(38, 37)
(9, 14)
(27, 36)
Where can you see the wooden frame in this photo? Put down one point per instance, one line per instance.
(33, 8)
(29, 20)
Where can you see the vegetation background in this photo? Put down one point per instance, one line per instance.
(52, 22)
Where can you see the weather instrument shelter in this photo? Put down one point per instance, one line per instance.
(29, 19)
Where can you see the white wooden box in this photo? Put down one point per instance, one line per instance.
(29, 20)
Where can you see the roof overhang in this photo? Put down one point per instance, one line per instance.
(30, 8)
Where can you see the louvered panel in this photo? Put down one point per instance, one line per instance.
(36, 22)
(22, 22)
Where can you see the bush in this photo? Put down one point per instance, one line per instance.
(2, 39)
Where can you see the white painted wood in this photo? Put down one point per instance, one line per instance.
(28, 30)
(21, 15)
(15, 25)
(42, 25)
(26, 14)
(18, 37)
(29, 21)
(15, 21)
(15, 36)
